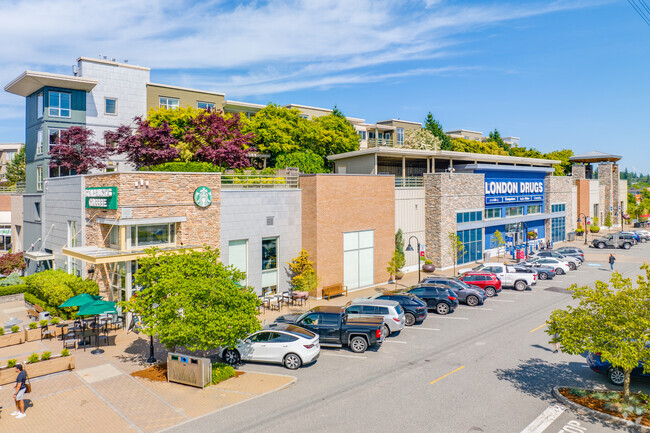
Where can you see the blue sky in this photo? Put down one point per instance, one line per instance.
(561, 74)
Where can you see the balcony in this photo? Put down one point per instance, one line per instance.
(409, 182)
(376, 142)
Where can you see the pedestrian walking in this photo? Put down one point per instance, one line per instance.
(19, 393)
(612, 259)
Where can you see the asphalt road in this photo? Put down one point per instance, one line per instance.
(480, 369)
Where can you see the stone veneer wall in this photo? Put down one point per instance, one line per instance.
(608, 184)
(559, 189)
(168, 195)
(445, 194)
(578, 171)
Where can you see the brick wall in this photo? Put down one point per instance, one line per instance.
(584, 202)
(335, 204)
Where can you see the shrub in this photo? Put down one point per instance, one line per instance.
(46, 355)
(43, 323)
(11, 262)
(306, 161)
(2, 331)
(428, 262)
(221, 372)
(594, 229)
(12, 280)
(185, 167)
(11, 363)
(12, 290)
(33, 325)
(55, 320)
(65, 352)
(53, 287)
(580, 230)
(15, 328)
(33, 358)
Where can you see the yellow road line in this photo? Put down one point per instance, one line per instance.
(540, 326)
(450, 373)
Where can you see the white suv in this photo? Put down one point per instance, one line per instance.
(391, 311)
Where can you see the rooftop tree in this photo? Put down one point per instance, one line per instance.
(434, 127)
(16, 167)
(145, 147)
(336, 135)
(76, 151)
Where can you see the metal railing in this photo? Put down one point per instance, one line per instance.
(258, 181)
(409, 182)
(11, 189)
(376, 142)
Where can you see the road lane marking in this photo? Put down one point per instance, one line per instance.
(448, 374)
(540, 326)
(545, 419)
(424, 329)
(393, 341)
(344, 356)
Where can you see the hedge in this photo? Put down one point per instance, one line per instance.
(185, 167)
(13, 290)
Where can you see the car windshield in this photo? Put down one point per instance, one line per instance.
(476, 268)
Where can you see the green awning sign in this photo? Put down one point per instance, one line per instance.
(103, 197)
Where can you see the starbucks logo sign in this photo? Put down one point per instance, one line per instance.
(203, 196)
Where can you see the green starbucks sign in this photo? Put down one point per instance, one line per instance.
(203, 196)
(104, 197)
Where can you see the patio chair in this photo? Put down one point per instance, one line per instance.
(46, 332)
(69, 341)
(287, 297)
(264, 303)
(118, 322)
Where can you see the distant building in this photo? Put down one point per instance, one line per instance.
(7, 153)
(466, 134)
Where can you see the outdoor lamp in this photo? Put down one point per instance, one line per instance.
(410, 248)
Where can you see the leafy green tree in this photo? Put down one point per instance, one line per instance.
(456, 248)
(335, 135)
(611, 319)
(495, 137)
(421, 139)
(563, 155)
(192, 300)
(54, 287)
(434, 127)
(608, 220)
(399, 246)
(16, 167)
(474, 146)
(306, 161)
(498, 238)
(395, 265)
(302, 273)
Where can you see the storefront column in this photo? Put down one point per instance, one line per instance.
(403, 166)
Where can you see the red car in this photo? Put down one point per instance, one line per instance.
(487, 281)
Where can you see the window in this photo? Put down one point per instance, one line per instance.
(37, 211)
(466, 217)
(39, 105)
(558, 229)
(386, 135)
(5, 237)
(238, 256)
(39, 178)
(558, 207)
(59, 104)
(534, 208)
(362, 134)
(39, 141)
(205, 105)
(492, 213)
(372, 135)
(10, 156)
(353, 309)
(400, 136)
(310, 319)
(58, 171)
(54, 137)
(110, 106)
(154, 234)
(114, 237)
(269, 265)
(514, 211)
(473, 242)
(304, 116)
(358, 259)
(168, 102)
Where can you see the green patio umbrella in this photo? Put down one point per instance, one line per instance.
(96, 308)
(79, 300)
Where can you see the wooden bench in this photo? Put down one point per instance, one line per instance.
(334, 289)
(35, 312)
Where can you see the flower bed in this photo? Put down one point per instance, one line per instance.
(38, 366)
(611, 403)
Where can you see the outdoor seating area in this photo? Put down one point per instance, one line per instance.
(275, 301)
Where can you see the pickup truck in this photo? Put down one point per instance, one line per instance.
(507, 274)
(335, 329)
(612, 241)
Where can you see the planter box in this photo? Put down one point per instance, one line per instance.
(35, 334)
(53, 365)
(13, 338)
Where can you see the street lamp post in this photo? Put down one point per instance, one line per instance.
(410, 248)
(581, 215)
(152, 359)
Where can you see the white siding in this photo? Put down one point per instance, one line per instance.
(409, 216)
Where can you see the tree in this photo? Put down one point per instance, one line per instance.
(77, 151)
(434, 127)
(474, 146)
(148, 146)
(306, 161)
(192, 300)
(51, 288)
(302, 274)
(456, 248)
(395, 265)
(16, 167)
(421, 139)
(610, 319)
(608, 220)
(495, 137)
(498, 237)
(11, 262)
(399, 246)
(335, 135)
(563, 155)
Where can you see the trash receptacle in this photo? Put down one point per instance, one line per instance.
(571, 236)
(189, 370)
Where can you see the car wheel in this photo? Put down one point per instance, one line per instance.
(442, 308)
(626, 246)
(386, 331)
(644, 240)
(231, 356)
(358, 344)
(601, 245)
(572, 266)
(616, 376)
(559, 271)
(490, 291)
(520, 286)
(543, 276)
(292, 361)
(409, 319)
(472, 301)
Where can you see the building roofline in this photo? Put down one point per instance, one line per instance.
(400, 120)
(167, 86)
(112, 63)
(463, 130)
(30, 81)
(242, 104)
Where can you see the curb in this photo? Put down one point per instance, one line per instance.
(596, 414)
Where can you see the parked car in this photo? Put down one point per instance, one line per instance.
(630, 235)
(466, 294)
(391, 311)
(439, 298)
(335, 329)
(289, 345)
(644, 235)
(415, 310)
(561, 267)
(572, 252)
(487, 281)
(543, 272)
(508, 275)
(571, 261)
(614, 375)
(612, 241)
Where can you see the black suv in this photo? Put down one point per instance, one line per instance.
(415, 310)
(441, 298)
(470, 295)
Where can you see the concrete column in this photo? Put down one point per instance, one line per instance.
(403, 166)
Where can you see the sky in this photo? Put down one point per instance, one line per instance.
(558, 74)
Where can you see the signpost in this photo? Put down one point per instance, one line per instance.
(104, 197)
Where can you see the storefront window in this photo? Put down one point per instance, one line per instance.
(5, 237)
(514, 211)
(154, 234)
(269, 265)
(358, 259)
(238, 256)
(114, 237)
(558, 229)
(473, 242)
(534, 208)
(492, 213)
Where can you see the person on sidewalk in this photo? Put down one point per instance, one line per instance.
(612, 259)
(19, 394)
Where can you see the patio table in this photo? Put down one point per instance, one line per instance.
(62, 326)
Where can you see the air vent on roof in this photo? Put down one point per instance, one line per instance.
(269, 220)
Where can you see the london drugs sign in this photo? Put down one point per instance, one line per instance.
(513, 191)
(104, 197)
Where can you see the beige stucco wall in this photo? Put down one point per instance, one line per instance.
(17, 223)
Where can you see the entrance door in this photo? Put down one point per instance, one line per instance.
(358, 259)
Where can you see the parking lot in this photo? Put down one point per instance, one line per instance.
(488, 368)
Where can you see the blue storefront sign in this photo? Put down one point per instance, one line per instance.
(513, 190)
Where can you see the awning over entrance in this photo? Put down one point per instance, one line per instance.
(38, 256)
(98, 255)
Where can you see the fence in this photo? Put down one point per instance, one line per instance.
(258, 181)
(409, 182)
(10, 189)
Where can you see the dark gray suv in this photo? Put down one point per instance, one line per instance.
(466, 294)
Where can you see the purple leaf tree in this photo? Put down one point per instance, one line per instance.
(147, 146)
(77, 151)
(219, 140)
